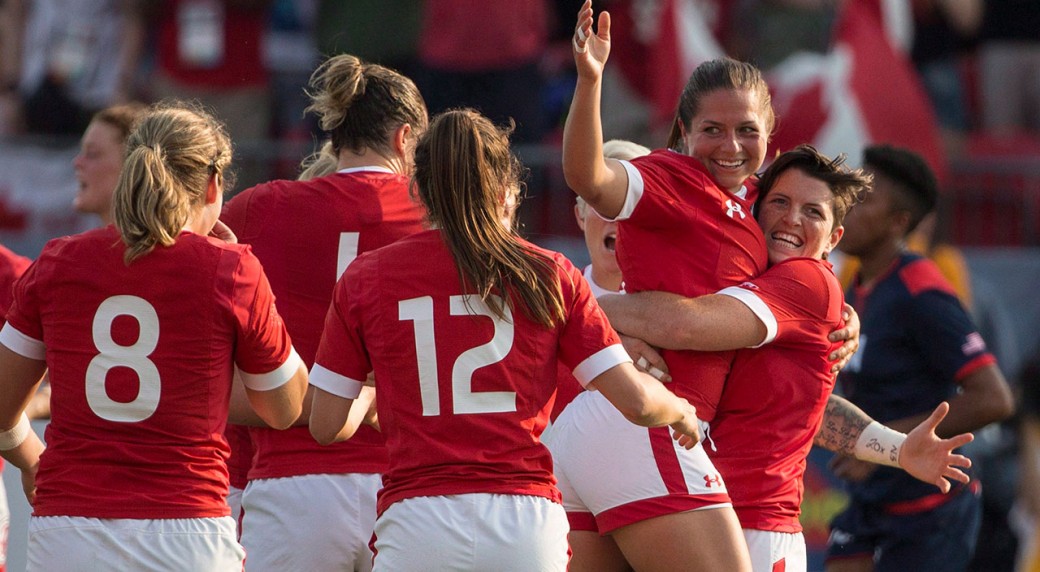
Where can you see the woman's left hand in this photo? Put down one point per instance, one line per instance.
(850, 335)
(222, 232)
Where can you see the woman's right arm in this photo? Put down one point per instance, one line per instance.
(644, 401)
(281, 406)
(602, 183)
(19, 444)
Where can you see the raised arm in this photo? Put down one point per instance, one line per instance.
(19, 444)
(709, 323)
(602, 183)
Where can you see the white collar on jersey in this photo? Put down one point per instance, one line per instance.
(597, 290)
(368, 168)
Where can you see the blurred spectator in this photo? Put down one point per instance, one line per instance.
(1009, 66)
(290, 55)
(211, 50)
(485, 54)
(776, 29)
(384, 32)
(77, 56)
(941, 30)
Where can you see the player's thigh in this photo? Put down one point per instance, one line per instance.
(160, 545)
(472, 532)
(770, 550)
(591, 552)
(310, 522)
(707, 540)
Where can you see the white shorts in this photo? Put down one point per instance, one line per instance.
(772, 551)
(613, 473)
(77, 543)
(5, 525)
(310, 522)
(234, 502)
(476, 531)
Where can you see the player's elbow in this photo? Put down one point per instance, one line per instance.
(1003, 404)
(642, 411)
(323, 435)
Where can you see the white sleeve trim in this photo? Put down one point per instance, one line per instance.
(22, 344)
(632, 195)
(334, 383)
(758, 307)
(600, 362)
(272, 379)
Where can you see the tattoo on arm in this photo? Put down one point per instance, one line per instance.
(842, 425)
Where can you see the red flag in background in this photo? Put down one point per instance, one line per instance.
(860, 93)
(656, 45)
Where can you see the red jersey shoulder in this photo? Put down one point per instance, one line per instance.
(922, 275)
(809, 282)
(668, 163)
(247, 211)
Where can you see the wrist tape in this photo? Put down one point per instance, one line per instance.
(16, 435)
(879, 444)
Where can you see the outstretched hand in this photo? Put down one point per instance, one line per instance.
(931, 459)
(591, 49)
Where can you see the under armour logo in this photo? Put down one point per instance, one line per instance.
(710, 480)
(733, 208)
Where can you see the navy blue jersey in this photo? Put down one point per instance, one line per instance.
(916, 342)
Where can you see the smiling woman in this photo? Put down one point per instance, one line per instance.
(782, 318)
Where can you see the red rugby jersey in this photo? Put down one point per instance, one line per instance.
(140, 360)
(774, 399)
(462, 398)
(680, 232)
(305, 233)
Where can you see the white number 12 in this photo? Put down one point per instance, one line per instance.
(464, 400)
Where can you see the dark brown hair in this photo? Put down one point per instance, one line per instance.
(713, 75)
(846, 184)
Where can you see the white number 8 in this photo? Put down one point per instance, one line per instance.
(133, 356)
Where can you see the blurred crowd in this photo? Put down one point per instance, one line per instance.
(63, 60)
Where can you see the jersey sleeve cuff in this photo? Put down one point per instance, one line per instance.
(334, 383)
(632, 194)
(273, 379)
(600, 362)
(758, 307)
(22, 344)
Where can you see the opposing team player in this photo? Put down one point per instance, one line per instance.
(920, 348)
(309, 507)
(464, 349)
(140, 326)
